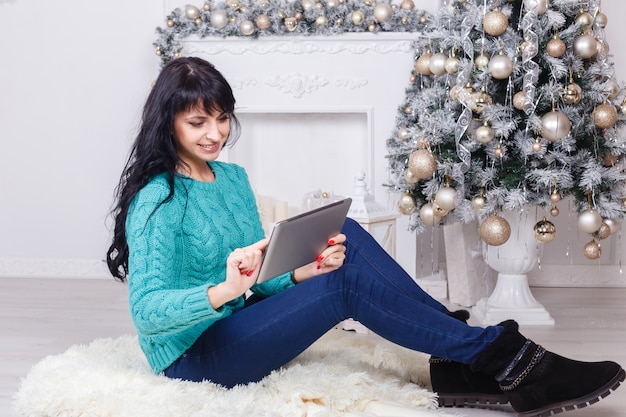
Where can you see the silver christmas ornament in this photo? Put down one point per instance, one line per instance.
(481, 61)
(614, 225)
(406, 204)
(500, 66)
(247, 27)
(428, 216)
(383, 12)
(192, 12)
(585, 46)
(219, 19)
(452, 64)
(437, 63)
(555, 126)
(584, 19)
(589, 221)
(601, 20)
(357, 17)
(484, 134)
(479, 202)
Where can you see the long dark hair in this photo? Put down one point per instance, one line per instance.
(183, 84)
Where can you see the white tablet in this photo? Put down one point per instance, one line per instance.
(299, 240)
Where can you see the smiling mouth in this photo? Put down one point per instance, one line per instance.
(211, 147)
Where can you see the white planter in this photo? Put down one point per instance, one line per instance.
(512, 298)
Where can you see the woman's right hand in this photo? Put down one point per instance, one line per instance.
(242, 270)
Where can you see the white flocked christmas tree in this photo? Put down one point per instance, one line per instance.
(512, 104)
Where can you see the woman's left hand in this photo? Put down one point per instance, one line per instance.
(331, 259)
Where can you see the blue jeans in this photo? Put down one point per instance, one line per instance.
(370, 287)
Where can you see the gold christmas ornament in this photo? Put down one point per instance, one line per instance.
(321, 21)
(481, 61)
(357, 17)
(604, 116)
(589, 221)
(555, 197)
(484, 134)
(600, 20)
(495, 230)
(585, 46)
(422, 65)
(592, 250)
(291, 23)
(206, 7)
(263, 21)
(383, 12)
(437, 63)
(555, 126)
(614, 88)
(554, 211)
(495, 22)
(499, 151)
(572, 93)
(479, 100)
(479, 202)
(500, 66)
(192, 12)
(584, 19)
(537, 146)
(406, 204)
(609, 160)
(439, 211)
(422, 164)
(170, 23)
(308, 4)
(403, 133)
(409, 177)
(428, 215)
(372, 27)
(614, 225)
(519, 101)
(603, 232)
(452, 63)
(556, 47)
(407, 5)
(544, 231)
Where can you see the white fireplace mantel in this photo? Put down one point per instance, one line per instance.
(315, 110)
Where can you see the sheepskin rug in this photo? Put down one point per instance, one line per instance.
(342, 374)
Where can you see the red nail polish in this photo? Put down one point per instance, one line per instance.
(249, 273)
(319, 267)
(319, 258)
(331, 242)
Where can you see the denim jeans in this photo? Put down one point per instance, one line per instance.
(370, 287)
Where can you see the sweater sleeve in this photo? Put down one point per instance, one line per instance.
(160, 304)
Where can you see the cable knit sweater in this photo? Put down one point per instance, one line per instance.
(178, 251)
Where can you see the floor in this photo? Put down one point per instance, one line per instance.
(39, 317)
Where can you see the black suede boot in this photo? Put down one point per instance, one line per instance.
(539, 383)
(458, 386)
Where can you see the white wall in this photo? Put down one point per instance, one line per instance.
(73, 79)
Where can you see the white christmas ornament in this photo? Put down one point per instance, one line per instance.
(219, 19)
(445, 198)
(589, 221)
(555, 126)
(500, 66)
(383, 12)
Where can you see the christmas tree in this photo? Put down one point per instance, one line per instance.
(511, 104)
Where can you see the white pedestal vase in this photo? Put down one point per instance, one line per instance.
(512, 298)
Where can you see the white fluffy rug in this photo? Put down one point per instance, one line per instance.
(342, 374)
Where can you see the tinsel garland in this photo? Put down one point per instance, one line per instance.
(256, 18)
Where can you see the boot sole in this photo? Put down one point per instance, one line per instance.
(580, 402)
(485, 401)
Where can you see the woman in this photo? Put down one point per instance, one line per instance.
(189, 239)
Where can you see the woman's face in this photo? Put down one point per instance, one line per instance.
(200, 136)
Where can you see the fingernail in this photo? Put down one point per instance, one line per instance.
(331, 242)
(319, 267)
(319, 258)
(249, 273)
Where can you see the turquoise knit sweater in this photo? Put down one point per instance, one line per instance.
(178, 251)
